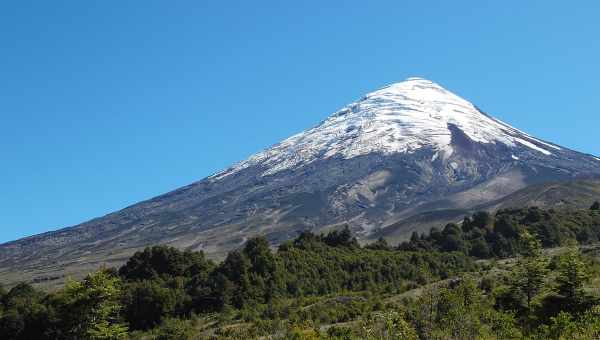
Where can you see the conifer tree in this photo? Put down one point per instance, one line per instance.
(572, 275)
(530, 271)
(92, 307)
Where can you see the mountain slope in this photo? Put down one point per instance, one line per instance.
(573, 194)
(407, 149)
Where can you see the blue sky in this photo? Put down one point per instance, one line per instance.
(106, 103)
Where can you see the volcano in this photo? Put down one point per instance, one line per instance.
(401, 159)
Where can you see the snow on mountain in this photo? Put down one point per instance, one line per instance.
(399, 118)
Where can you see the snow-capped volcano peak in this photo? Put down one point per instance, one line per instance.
(399, 118)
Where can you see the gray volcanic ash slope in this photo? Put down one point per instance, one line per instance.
(407, 150)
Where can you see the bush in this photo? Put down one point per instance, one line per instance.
(175, 329)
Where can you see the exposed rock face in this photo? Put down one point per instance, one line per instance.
(409, 150)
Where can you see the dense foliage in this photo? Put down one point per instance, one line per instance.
(328, 286)
(484, 235)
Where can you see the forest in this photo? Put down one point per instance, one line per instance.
(517, 274)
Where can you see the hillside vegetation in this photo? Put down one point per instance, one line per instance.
(487, 278)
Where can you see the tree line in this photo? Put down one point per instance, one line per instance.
(161, 287)
(484, 235)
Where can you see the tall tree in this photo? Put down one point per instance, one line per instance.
(25, 316)
(265, 274)
(530, 271)
(92, 307)
(236, 270)
(572, 275)
(148, 302)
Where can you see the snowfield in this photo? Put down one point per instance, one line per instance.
(399, 118)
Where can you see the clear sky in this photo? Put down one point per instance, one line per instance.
(106, 103)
